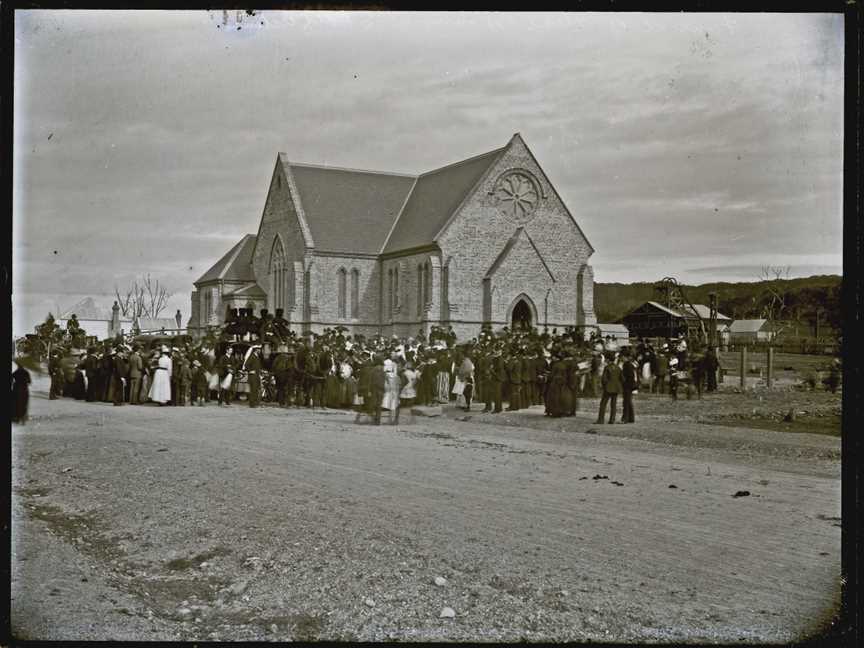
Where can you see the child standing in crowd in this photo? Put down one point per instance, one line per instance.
(200, 384)
(408, 395)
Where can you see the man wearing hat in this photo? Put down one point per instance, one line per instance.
(57, 378)
(252, 366)
(79, 382)
(494, 377)
(629, 382)
(199, 384)
(282, 372)
(612, 386)
(106, 371)
(280, 324)
(184, 378)
(515, 379)
(136, 367)
(226, 370)
(377, 385)
(119, 371)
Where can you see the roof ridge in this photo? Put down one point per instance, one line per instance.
(465, 161)
(398, 216)
(496, 156)
(236, 252)
(329, 167)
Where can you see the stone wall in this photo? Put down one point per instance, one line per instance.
(279, 219)
(411, 315)
(478, 235)
(324, 271)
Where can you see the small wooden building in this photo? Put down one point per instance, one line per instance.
(654, 320)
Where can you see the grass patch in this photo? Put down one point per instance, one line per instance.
(168, 593)
(182, 564)
(826, 425)
(307, 627)
(36, 491)
(71, 527)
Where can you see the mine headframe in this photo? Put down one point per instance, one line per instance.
(671, 294)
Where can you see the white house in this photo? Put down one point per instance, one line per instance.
(618, 332)
(750, 330)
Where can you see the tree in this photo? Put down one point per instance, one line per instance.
(132, 302)
(48, 335)
(146, 297)
(775, 297)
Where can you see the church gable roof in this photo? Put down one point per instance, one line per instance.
(508, 247)
(434, 198)
(236, 265)
(349, 210)
(251, 291)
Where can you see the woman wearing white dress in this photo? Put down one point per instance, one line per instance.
(391, 387)
(160, 390)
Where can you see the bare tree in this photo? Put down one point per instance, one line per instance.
(156, 296)
(146, 297)
(775, 297)
(132, 303)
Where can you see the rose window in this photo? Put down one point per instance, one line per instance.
(517, 195)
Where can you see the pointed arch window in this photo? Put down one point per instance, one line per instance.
(390, 292)
(279, 274)
(396, 288)
(341, 289)
(419, 290)
(427, 283)
(355, 293)
(445, 288)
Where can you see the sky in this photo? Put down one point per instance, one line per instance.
(701, 146)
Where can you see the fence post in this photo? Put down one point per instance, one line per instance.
(770, 374)
(743, 366)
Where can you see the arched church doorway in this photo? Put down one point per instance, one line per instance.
(522, 318)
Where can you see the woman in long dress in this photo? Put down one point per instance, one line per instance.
(442, 371)
(348, 387)
(160, 389)
(408, 395)
(392, 383)
(20, 394)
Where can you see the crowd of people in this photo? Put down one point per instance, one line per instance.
(263, 358)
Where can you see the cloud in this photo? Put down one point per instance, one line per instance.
(164, 128)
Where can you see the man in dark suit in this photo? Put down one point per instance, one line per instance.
(514, 379)
(225, 366)
(283, 366)
(118, 376)
(301, 374)
(376, 389)
(136, 367)
(629, 381)
(106, 373)
(92, 369)
(497, 376)
(611, 384)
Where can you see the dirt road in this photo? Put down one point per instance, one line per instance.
(231, 524)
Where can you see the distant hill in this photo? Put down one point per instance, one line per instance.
(742, 300)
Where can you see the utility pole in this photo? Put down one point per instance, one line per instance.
(712, 320)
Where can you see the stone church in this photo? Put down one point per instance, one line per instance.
(486, 240)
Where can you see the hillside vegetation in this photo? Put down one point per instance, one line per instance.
(742, 300)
